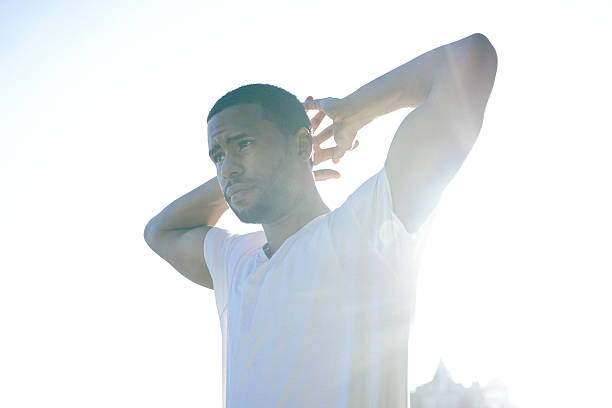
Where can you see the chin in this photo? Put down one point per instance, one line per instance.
(259, 212)
(249, 212)
(264, 205)
(249, 215)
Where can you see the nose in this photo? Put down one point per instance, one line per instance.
(231, 168)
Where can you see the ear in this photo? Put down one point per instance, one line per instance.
(303, 140)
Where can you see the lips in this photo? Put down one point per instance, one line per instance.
(237, 188)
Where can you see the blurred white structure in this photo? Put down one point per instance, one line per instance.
(443, 392)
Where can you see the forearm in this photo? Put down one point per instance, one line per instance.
(409, 84)
(202, 206)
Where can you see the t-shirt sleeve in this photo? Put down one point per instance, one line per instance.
(217, 244)
(370, 209)
(225, 255)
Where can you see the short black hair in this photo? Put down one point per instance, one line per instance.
(278, 105)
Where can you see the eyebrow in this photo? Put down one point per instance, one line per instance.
(229, 140)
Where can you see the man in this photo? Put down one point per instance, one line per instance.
(315, 309)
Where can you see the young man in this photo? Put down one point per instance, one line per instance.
(315, 309)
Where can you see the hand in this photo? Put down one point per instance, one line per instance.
(343, 130)
(320, 155)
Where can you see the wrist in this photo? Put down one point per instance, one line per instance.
(355, 113)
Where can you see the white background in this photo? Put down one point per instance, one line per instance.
(102, 124)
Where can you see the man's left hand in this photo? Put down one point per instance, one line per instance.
(343, 129)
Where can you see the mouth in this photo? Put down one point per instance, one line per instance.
(236, 192)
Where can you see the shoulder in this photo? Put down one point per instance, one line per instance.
(370, 215)
(220, 245)
(371, 196)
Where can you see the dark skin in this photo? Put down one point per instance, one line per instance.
(449, 88)
(264, 175)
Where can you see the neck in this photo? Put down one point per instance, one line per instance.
(306, 209)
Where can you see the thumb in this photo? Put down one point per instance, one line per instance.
(310, 103)
(325, 174)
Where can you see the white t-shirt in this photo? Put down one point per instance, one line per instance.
(324, 322)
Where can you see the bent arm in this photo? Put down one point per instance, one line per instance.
(177, 233)
(450, 87)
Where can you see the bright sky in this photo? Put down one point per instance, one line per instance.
(102, 114)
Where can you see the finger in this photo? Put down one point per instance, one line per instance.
(310, 103)
(337, 153)
(307, 100)
(325, 174)
(322, 155)
(316, 120)
(324, 135)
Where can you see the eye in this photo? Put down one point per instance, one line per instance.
(218, 158)
(244, 143)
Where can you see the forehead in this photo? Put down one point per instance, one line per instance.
(243, 118)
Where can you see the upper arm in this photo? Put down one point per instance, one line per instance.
(434, 139)
(184, 250)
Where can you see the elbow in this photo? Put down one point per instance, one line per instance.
(483, 52)
(481, 41)
(147, 234)
(148, 231)
(473, 61)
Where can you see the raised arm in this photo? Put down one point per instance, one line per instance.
(177, 233)
(450, 87)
